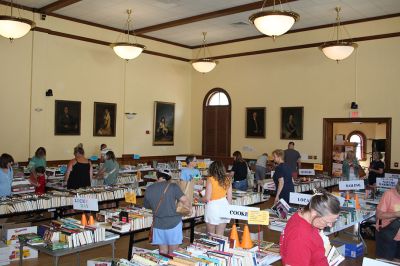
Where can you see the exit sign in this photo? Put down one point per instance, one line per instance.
(355, 114)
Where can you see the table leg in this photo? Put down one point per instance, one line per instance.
(78, 259)
(21, 252)
(237, 222)
(192, 224)
(357, 231)
(56, 259)
(113, 249)
(131, 241)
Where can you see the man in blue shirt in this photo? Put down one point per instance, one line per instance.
(188, 173)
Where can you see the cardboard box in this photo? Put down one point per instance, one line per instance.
(6, 226)
(28, 253)
(12, 234)
(353, 248)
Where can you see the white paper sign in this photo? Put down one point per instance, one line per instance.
(389, 175)
(299, 198)
(386, 182)
(306, 172)
(351, 185)
(85, 204)
(237, 212)
(371, 262)
(272, 173)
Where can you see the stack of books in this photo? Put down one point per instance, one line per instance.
(134, 218)
(21, 185)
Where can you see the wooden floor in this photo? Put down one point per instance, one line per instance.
(122, 249)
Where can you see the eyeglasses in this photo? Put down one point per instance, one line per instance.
(329, 223)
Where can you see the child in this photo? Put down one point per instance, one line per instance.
(38, 179)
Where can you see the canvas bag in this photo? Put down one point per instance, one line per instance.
(187, 188)
(250, 177)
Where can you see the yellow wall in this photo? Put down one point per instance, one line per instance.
(306, 78)
(88, 72)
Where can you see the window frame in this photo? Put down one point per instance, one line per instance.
(363, 147)
(213, 92)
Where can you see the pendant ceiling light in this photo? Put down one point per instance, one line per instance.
(204, 64)
(126, 49)
(338, 49)
(14, 27)
(274, 22)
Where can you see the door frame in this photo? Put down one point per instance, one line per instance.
(205, 100)
(327, 139)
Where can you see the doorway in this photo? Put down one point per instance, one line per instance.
(370, 134)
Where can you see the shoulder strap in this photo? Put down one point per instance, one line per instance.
(161, 199)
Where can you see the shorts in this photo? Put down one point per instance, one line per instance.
(260, 173)
(241, 185)
(169, 237)
(213, 211)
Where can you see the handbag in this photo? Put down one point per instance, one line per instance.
(155, 212)
(249, 177)
(187, 189)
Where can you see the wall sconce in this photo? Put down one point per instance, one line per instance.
(130, 115)
(38, 109)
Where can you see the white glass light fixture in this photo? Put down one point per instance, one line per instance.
(274, 22)
(338, 49)
(204, 64)
(128, 50)
(12, 27)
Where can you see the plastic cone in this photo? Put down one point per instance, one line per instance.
(234, 235)
(347, 195)
(91, 220)
(357, 202)
(246, 239)
(84, 219)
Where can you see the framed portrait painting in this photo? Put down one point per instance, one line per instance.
(104, 119)
(164, 119)
(292, 122)
(255, 122)
(67, 118)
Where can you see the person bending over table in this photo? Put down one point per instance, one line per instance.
(387, 225)
(79, 170)
(218, 197)
(282, 177)
(161, 198)
(239, 172)
(301, 242)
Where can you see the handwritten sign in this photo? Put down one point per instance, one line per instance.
(351, 185)
(130, 197)
(390, 175)
(258, 217)
(85, 204)
(306, 172)
(386, 182)
(318, 167)
(299, 198)
(237, 212)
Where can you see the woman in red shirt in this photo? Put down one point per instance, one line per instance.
(301, 243)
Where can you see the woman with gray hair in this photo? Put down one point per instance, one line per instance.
(303, 231)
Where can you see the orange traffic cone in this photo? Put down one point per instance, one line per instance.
(84, 219)
(234, 235)
(91, 220)
(347, 195)
(246, 239)
(357, 202)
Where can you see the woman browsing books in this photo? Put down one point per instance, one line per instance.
(303, 231)
(79, 170)
(282, 177)
(218, 196)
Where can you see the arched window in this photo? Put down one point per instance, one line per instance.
(217, 123)
(218, 98)
(361, 140)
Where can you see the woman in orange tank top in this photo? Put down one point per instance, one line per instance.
(218, 197)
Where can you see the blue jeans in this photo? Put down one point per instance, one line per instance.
(240, 185)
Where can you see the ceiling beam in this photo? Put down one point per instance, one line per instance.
(56, 6)
(205, 16)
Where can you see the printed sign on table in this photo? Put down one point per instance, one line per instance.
(318, 167)
(258, 217)
(306, 172)
(130, 197)
(386, 182)
(351, 185)
(85, 204)
(299, 198)
(237, 212)
(390, 175)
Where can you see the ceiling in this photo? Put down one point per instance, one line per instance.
(192, 17)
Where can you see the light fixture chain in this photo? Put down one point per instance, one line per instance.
(263, 5)
(355, 82)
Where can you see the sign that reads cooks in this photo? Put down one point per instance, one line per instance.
(386, 182)
(306, 172)
(237, 212)
(351, 185)
(299, 198)
(85, 204)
